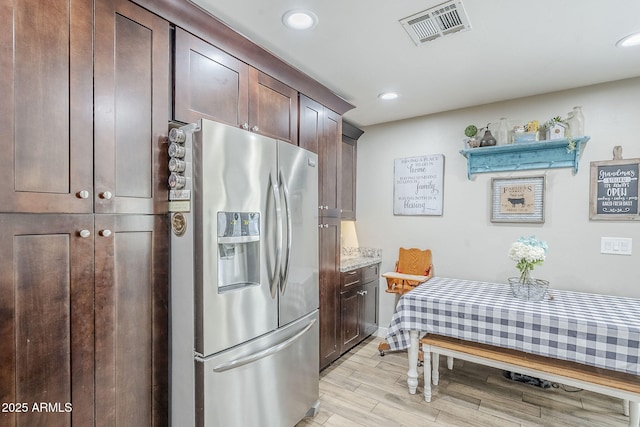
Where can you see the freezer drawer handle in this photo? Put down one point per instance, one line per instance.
(262, 353)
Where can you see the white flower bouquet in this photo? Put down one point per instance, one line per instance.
(528, 252)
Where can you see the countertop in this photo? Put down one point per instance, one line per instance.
(352, 258)
(352, 263)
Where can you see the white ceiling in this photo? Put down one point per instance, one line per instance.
(515, 48)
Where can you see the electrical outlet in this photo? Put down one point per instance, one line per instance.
(616, 245)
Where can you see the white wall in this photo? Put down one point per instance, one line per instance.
(464, 242)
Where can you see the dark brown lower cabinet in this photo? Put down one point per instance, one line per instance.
(329, 240)
(83, 319)
(46, 319)
(358, 307)
(351, 309)
(131, 297)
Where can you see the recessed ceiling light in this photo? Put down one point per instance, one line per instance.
(630, 40)
(387, 96)
(299, 19)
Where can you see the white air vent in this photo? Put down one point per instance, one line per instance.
(446, 18)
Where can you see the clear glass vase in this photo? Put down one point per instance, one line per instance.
(527, 288)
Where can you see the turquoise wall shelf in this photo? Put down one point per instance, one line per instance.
(524, 156)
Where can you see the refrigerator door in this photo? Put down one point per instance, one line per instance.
(272, 381)
(298, 180)
(236, 201)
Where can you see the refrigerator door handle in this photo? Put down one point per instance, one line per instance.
(273, 282)
(262, 353)
(287, 258)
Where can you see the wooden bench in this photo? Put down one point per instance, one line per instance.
(604, 381)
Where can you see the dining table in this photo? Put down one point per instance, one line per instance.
(588, 328)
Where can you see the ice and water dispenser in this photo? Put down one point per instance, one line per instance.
(238, 250)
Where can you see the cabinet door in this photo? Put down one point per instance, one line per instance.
(209, 83)
(131, 108)
(320, 131)
(348, 189)
(311, 123)
(46, 313)
(273, 107)
(46, 106)
(370, 308)
(330, 158)
(131, 320)
(329, 240)
(351, 305)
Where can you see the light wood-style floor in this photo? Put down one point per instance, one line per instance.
(364, 389)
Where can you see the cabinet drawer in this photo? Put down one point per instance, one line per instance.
(349, 279)
(370, 273)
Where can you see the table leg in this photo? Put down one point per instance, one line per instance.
(450, 362)
(426, 351)
(435, 362)
(412, 352)
(625, 407)
(634, 414)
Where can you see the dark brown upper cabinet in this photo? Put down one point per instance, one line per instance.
(320, 131)
(273, 107)
(350, 135)
(212, 84)
(46, 109)
(132, 57)
(51, 157)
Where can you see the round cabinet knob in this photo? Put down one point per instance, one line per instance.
(255, 129)
(105, 233)
(84, 233)
(106, 195)
(83, 194)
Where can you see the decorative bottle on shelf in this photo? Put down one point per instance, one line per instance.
(567, 131)
(577, 122)
(503, 132)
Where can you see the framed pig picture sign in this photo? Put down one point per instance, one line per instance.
(418, 185)
(518, 199)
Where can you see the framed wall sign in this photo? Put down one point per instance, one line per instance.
(418, 185)
(518, 199)
(614, 190)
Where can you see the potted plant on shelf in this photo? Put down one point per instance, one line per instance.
(471, 132)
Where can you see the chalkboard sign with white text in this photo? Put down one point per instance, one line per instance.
(614, 190)
(418, 185)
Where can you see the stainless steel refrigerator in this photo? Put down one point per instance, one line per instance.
(244, 278)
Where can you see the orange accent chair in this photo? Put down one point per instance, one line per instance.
(413, 267)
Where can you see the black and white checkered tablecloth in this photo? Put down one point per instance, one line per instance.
(592, 329)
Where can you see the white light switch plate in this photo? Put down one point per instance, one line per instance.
(616, 245)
